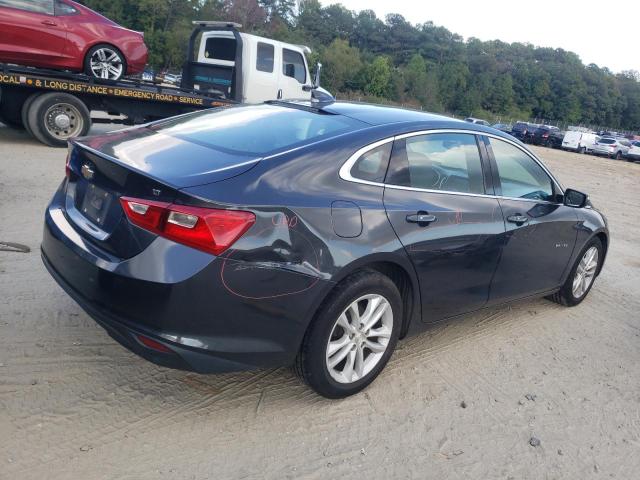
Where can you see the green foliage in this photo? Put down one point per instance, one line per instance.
(392, 60)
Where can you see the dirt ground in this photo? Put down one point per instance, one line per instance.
(76, 405)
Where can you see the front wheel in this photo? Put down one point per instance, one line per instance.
(582, 275)
(352, 337)
(105, 62)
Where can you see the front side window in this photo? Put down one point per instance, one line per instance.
(264, 59)
(520, 175)
(36, 6)
(64, 9)
(372, 165)
(293, 65)
(440, 161)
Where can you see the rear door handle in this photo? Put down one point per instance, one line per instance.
(421, 218)
(50, 23)
(518, 219)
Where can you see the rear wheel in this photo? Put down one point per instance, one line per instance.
(581, 150)
(105, 62)
(352, 337)
(582, 275)
(25, 112)
(54, 118)
(618, 155)
(10, 108)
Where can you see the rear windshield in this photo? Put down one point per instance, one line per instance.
(607, 141)
(256, 129)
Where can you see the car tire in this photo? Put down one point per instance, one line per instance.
(581, 150)
(25, 112)
(569, 295)
(119, 62)
(336, 320)
(45, 113)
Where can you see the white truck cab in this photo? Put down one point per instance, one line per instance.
(248, 68)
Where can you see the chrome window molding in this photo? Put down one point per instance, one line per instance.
(345, 170)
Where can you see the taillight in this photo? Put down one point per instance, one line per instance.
(207, 229)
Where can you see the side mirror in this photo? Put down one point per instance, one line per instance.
(574, 198)
(316, 80)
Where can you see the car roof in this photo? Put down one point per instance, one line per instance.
(402, 119)
(371, 114)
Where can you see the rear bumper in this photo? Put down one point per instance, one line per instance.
(126, 335)
(183, 299)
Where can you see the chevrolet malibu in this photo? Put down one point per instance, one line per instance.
(313, 235)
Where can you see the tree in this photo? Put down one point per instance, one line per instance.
(342, 66)
(377, 77)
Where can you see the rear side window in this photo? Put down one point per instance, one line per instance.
(255, 129)
(220, 48)
(293, 65)
(520, 175)
(36, 6)
(372, 165)
(441, 161)
(264, 59)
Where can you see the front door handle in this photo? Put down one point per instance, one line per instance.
(518, 219)
(421, 218)
(51, 23)
(280, 94)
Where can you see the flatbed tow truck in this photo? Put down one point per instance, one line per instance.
(54, 106)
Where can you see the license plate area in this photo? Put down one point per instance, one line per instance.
(96, 203)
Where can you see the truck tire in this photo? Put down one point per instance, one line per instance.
(54, 118)
(11, 109)
(25, 112)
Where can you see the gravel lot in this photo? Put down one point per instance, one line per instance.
(465, 399)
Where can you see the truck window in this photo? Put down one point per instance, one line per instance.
(264, 60)
(293, 65)
(37, 6)
(220, 48)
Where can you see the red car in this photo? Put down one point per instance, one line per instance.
(62, 34)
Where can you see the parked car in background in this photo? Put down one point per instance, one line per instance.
(546, 136)
(520, 130)
(634, 151)
(477, 121)
(503, 127)
(226, 247)
(147, 76)
(612, 147)
(581, 142)
(62, 34)
(172, 78)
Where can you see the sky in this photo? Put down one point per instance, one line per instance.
(607, 34)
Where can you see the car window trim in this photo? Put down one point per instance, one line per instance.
(345, 170)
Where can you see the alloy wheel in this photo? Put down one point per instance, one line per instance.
(585, 272)
(106, 63)
(359, 338)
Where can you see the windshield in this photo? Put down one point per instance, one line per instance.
(256, 129)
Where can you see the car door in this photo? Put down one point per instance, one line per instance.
(540, 231)
(435, 198)
(30, 33)
(264, 74)
(293, 74)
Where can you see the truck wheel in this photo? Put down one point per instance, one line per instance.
(54, 118)
(25, 112)
(10, 109)
(105, 62)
